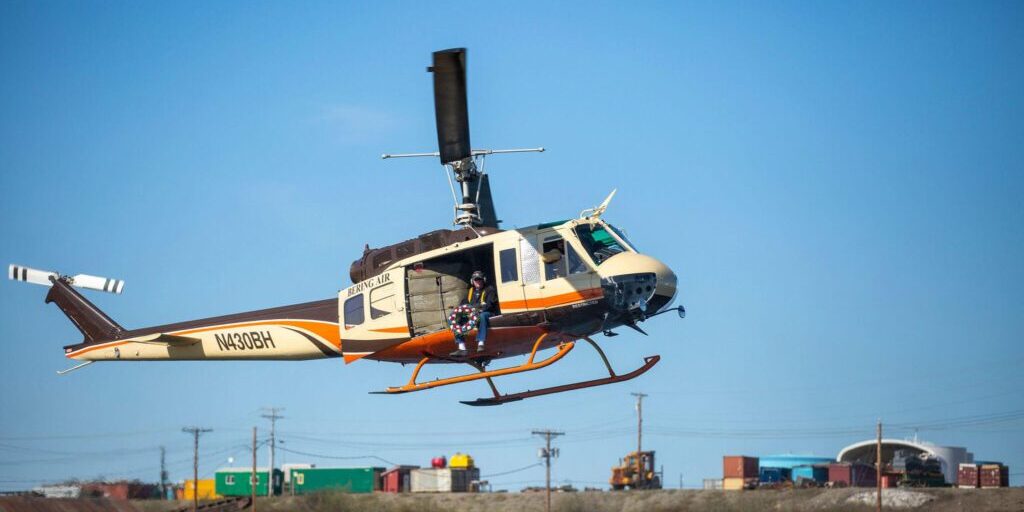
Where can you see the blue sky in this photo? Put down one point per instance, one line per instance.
(836, 184)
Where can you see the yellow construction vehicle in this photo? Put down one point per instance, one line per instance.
(636, 471)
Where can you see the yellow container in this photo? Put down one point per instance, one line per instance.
(737, 484)
(460, 460)
(206, 490)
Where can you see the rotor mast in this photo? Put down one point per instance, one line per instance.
(476, 207)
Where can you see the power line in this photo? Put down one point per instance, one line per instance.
(337, 457)
(503, 473)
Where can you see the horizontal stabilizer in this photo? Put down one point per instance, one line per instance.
(45, 278)
(170, 339)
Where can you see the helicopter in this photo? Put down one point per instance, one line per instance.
(557, 283)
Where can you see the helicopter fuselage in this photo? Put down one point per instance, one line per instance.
(567, 279)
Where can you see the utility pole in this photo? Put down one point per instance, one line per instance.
(273, 416)
(641, 475)
(195, 431)
(548, 435)
(253, 479)
(163, 473)
(878, 467)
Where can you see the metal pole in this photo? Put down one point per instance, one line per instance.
(878, 467)
(253, 479)
(195, 431)
(640, 473)
(273, 417)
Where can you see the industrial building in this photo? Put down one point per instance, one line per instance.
(949, 457)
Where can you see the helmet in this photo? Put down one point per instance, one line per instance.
(479, 275)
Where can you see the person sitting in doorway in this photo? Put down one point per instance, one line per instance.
(483, 297)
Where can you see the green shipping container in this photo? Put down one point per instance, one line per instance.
(356, 480)
(236, 481)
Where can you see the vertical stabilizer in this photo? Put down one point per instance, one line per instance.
(94, 324)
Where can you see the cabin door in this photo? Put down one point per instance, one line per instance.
(373, 314)
(507, 276)
(563, 277)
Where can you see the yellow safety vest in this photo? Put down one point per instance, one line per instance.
(469, 296)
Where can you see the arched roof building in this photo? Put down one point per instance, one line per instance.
(949, 457)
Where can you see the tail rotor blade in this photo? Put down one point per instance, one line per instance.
(449, 71)
(97, 283)
(30, 275)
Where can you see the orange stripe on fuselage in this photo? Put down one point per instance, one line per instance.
(554, 300)
(398, 330)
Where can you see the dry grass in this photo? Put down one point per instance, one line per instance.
(795, 500)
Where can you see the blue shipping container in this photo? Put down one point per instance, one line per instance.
(816, 473)
(774, 475)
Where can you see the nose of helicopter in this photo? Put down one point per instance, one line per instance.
(633, 281)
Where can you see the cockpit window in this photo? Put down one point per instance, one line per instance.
(622, 236)
(599, 243)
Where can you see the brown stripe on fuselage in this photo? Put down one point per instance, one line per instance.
(317, 311)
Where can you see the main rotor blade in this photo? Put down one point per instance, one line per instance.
(450, 104)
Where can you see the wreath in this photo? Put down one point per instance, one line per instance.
(463, 319)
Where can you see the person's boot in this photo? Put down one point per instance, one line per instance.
(480, 348)
(458, 353)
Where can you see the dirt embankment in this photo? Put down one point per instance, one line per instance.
(799, 500)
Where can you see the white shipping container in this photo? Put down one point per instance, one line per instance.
(712, 484)
(59, 491)
(443, 480)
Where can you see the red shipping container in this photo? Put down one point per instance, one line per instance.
(890, 480)
(994, 475)
(739, 466)
(967, 476)
(397, 479)
(855, 474)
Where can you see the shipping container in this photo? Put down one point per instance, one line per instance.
(238, 481)
(124, 490)
(967, 476)
(207, 490)
(852, 474)
(816, 474)
(774, 475)
(58, 491)
(443, 480)
(738, 484)
(713, 484)
(287, 470)
(739, 466)
(354, 480)
(890, 480)
(397, 479)
(994, 475)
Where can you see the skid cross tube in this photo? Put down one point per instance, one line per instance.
(529, 365)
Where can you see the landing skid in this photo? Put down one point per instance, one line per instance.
(529, 365)
(612, 378)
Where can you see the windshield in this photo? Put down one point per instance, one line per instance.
(622, 236)
(598, 242)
